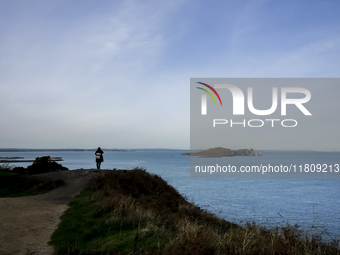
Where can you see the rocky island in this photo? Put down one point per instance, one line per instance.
(219, 152)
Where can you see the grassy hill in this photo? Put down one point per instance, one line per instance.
(134, 212)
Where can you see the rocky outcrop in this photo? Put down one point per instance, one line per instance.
(259, 153)
(219, 152)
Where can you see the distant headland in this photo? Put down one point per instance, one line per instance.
(219, 152)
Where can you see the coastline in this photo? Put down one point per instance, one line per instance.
(37, 217)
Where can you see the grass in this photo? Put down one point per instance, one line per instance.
(134, 212)
(15, 185)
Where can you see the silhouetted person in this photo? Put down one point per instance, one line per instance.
(99, 157)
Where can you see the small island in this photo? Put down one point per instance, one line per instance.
(219, 152)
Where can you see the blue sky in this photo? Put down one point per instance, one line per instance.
(116, 74)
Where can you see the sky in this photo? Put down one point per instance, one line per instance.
(116, 74)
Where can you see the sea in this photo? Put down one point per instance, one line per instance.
(311, 203)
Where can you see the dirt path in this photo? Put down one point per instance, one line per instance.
(27, 223)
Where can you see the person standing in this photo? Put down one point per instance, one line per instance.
(99, 157)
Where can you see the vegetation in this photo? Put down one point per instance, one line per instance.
(40, 165)
(44, 165)
(134, 212)
(13, 184)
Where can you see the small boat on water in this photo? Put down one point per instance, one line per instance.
(56, 159)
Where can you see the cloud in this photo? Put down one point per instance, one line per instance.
(123, 67)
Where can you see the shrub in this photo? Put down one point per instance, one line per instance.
(5, 167)
(44, 165)
(14, 185)
(19, 170)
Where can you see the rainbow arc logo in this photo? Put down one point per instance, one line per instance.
(212, 89)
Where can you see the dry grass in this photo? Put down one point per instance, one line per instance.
(134, 212)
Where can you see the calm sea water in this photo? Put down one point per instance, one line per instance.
(313, 204)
